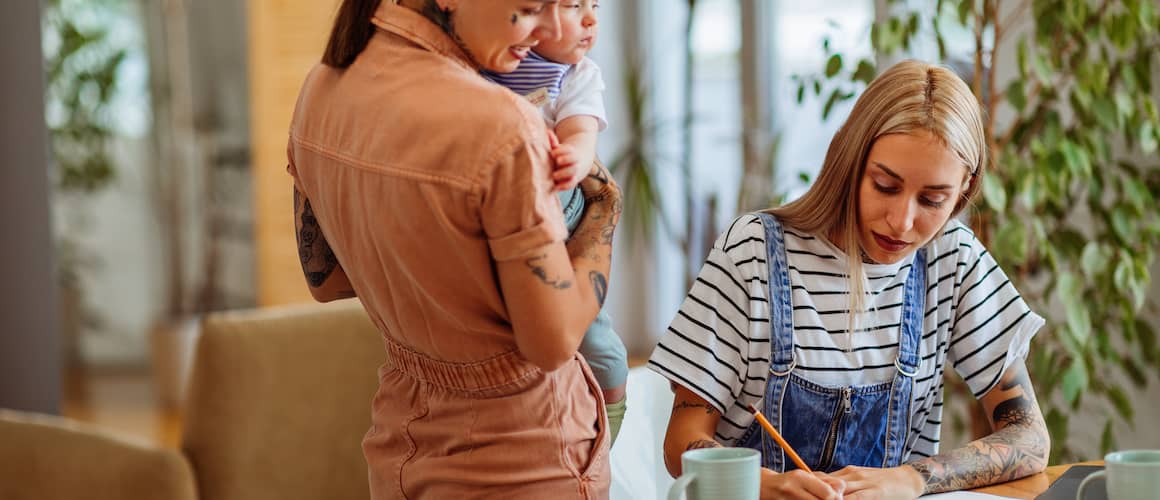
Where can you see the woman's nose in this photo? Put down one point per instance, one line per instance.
(901, 217)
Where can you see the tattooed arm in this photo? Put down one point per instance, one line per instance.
(691, 425)
(553, 296)
(1017, 447)
(324, 274)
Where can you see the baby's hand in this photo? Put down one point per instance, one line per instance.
(568, 172)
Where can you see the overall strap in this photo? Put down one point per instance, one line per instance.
(780, 306)
(913, 314)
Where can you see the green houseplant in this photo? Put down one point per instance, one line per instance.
(83, 60)
(1069, 205)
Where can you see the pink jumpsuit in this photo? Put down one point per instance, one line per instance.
(422, 176)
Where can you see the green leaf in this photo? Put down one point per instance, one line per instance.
(1093, 261)
(1144, 16)
(1042, 69)
(801, 93)
(1105, 112)
(1122, 224)
(994, 193)
(1124, 106)
(1011, 241)
(1107, 439)
(865, 72)
(1015, 95)
(1147, 338)
(829, 106)
(1121, 402)
(1079, 323)
(1077, 159)
(1134, 372)
(1021, 55)
(1075, 381)
(1068, 290)
(833, 65)
(965, 8)
(1147, 139)
(1136, 193)
(1056, 424)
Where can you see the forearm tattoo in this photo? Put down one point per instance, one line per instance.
(1017, 449)
(702, 443)
(683, 405)
(599, 286)
(317, 259)
(537, 266)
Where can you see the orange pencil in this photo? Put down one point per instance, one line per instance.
(780, 442)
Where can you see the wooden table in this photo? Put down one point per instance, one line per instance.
(1030, 487)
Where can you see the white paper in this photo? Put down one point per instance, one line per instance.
(964, 495)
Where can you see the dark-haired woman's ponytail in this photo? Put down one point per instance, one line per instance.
(351, 33)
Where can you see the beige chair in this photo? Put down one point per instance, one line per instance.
(51, 458)
(279, 401)
(278, 404)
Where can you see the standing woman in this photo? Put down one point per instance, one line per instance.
(859, 395)
(425, 190)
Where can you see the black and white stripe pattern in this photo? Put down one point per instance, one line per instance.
(718, 343)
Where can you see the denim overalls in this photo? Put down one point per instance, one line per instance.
(830, 427)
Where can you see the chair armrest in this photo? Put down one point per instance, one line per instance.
(44, 457)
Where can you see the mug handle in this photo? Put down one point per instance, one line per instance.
(1091, 477)
(682, 483)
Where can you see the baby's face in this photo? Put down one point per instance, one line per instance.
(577, 32)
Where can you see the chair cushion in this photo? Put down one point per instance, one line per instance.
(279, 401)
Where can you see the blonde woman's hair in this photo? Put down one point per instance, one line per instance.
(909, 97)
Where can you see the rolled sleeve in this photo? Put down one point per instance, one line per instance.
(520, 214)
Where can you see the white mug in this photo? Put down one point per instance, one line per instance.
(1130, 475)
(719, 474)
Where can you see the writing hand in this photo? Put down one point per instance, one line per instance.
(895, 483)
(800, 485)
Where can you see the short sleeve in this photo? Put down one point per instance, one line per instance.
(519, 212)
(705, 348)
(291, 168)
(993, 326)
(582, 93)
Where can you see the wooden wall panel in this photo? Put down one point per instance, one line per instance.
(286, 38)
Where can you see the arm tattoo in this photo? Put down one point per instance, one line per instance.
(702, 443)
(537, 265)
(686, 405)
(600, 175)
(317, 259)
(1017, 449)
(599, 286)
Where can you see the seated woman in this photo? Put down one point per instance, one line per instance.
(836, 315)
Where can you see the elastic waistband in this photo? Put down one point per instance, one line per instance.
(505, 373)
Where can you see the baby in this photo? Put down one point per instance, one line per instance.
(567, 87)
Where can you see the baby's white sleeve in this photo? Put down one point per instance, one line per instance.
(582, 93)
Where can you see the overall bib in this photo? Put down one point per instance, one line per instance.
(832, 427)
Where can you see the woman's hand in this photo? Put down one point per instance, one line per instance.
(799, 484)
(896, 483)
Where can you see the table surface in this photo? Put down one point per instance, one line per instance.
(1030, 487)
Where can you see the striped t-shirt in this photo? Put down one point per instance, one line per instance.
(718, 345)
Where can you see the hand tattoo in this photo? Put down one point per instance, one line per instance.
(536, 264)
